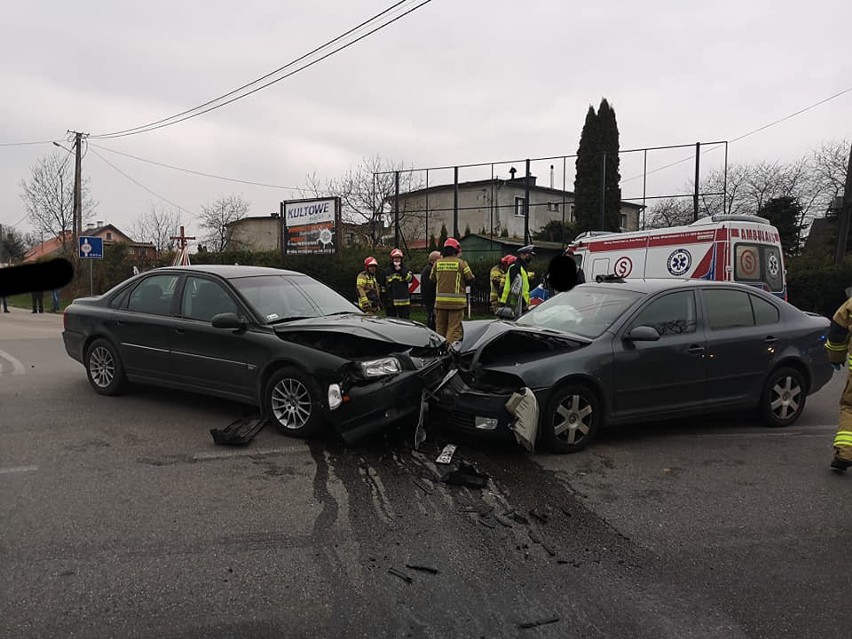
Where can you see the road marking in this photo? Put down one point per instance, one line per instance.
(17, 469)
(264, 452)
(17, 367)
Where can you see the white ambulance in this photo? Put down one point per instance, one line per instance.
(738, 248)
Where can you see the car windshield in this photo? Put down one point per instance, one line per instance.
(279, 298)
(586, 310)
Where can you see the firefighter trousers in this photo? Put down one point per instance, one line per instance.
(843, 437)
(448, 322)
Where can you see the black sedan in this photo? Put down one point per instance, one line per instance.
(628, 351)
(277, 339)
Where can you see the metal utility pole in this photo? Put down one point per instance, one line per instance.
(396, 209)
(78, 189)
(1, 244)
(456, 202)
(695, 193)
(603, 191)
(843, 215)
(527, 205)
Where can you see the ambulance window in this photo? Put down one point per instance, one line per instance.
(727, 309)
(672, 314)
(747, 266)
(774, 274)
(764, 312)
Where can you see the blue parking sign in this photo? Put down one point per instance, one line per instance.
(91, 247)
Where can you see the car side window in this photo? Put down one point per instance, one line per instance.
(727, 308)
(764, 312)
(153, 295)
(672, 314)
(204, 299)
(118, 300)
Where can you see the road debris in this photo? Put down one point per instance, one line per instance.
(420, 431)
(465, 475)
(446, 455)
(422, 485)
(401, 575)
(524, 407)
(542, 514)
(486, 523)
(239, 432)
(540, 622)
(429, 569)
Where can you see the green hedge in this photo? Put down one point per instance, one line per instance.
(818, 285)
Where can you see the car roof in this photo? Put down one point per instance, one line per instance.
(230, 271)
(650, 285)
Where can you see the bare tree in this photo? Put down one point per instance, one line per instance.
(216, 216)
(157, 226)
(829, 163)
(669, 212)
(48, 196)
(366, 194)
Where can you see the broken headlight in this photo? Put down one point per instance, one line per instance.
(381, 367)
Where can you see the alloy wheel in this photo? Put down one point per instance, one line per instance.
(291, 403)
(572, 420)
(102, 367)
(785, 398)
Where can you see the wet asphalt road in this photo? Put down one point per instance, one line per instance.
(119, 516)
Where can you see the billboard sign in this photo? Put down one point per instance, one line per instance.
(310, 226)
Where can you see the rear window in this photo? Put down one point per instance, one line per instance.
(759, 263)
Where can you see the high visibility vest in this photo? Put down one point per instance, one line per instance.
(516, 287)
(450, 275)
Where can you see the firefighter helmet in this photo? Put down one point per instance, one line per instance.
(370, 261)
(453, 242)
(396, 253)
(508, 260)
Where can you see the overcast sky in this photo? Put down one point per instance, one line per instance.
(457, 81)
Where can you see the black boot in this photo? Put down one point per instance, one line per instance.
(840, 465)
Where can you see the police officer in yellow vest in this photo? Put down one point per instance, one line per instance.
(837, 346)
(498, 280)
(451, 275)
(516, 290)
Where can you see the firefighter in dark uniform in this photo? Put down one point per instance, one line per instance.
(395, 283)
(369, 299)
(837, 346)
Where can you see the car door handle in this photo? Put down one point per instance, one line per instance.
(770, 340)
(119, 323)
(695, 349)
(180, 331)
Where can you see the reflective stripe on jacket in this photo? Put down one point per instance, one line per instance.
(396, 286)
(368, 291)
(450, 275)
(516, 290)
(838, 333)
(498, 281)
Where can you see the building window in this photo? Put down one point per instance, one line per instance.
(519, 206)
(553, 206)
(571, 213)
(109, 235)
(624, 220)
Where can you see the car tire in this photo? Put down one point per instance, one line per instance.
(291, 403)
(571, 419)
(783, 398)
(104, 368)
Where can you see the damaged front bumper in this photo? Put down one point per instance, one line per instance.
(493, 414)
(372, 407)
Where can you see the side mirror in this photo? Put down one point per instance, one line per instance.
(228, 320)
(643, 334)
(505, 313)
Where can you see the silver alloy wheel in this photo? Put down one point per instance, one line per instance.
(785, 397)
(102, 366)
(572, 420)
(291, 403)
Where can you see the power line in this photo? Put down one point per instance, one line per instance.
(208, 175)
(27, 143)
(139, 184)
(745, 135)
(216, 104)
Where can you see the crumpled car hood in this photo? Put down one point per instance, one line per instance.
(480, 333)
(379, 329)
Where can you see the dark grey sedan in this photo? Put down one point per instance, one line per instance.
(628, 351)
(277, 339)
